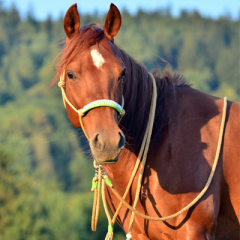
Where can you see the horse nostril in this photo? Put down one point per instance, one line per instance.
(97, 143)
(121, 141)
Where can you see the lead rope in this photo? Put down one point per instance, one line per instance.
(144, 149)
(96, 188)
(145, 143)
(148, 139)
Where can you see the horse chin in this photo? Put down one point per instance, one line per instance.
(108, 161)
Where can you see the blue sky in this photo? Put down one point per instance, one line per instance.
(42, 8)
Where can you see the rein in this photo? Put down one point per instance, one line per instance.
(95, 104)
(100, 177)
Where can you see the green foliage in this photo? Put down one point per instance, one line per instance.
(45, 172)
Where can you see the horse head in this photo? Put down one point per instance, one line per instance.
(92, 70)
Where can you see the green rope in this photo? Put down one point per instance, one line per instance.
(108, 181)
(102, 103)
(94, 185)
(110, 228)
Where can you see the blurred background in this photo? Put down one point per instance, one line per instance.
(45, 165)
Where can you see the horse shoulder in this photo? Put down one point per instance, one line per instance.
(231, 144)
(231, 156)
(226, 182)
(186, 155)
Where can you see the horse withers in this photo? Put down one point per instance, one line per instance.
(183, 143)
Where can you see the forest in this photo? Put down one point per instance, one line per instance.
(45, 163)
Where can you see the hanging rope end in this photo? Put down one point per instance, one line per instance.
(107, 181)
(94, 184)
(109, 235)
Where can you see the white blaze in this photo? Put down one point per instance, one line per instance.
(97, 57)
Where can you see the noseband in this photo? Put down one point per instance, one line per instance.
(95, 104)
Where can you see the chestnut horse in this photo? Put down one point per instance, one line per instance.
(183, 143)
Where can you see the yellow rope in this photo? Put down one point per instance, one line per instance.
(96, 201)
(93, 223)
(105, 204)
(109, 235)
(81, 123)
(149, 134)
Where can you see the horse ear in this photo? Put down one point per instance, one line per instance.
(71, 22)
(112, 23)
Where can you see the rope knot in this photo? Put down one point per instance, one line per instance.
(61, 84)
(80, 113)
(121, 116)
(123, 113)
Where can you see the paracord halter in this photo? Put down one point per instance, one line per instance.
(90, 106)
(100, 174)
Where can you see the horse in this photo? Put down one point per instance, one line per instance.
(182, 145)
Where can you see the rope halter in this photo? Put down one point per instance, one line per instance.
(95, 104)
(101, 177)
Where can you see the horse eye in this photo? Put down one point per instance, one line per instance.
(123, 74)
(70, 75)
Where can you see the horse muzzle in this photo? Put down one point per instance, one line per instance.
(106, 147)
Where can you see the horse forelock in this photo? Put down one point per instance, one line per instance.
(86, 37)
